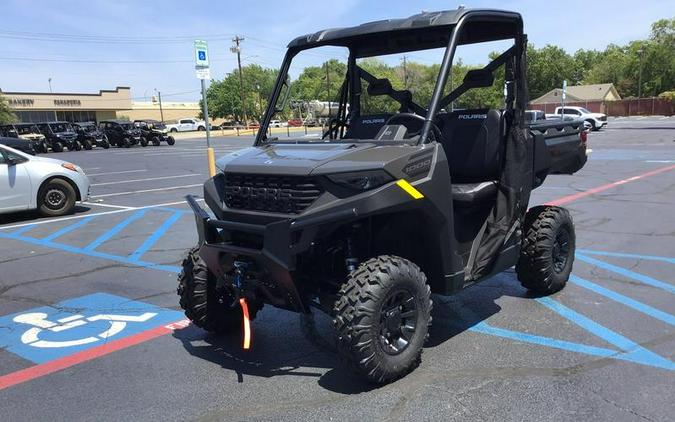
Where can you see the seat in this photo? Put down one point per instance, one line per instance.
(473, 143)
(366, 127)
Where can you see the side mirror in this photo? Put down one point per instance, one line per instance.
(283, 95)
(12, 161)
(479, 78)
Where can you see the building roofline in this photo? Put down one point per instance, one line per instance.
(100, 92)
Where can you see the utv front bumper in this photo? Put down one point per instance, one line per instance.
(281, 241)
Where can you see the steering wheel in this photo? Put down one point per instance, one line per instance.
(414, 123)
(333, 125)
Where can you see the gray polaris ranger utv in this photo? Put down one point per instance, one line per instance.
(366, 221)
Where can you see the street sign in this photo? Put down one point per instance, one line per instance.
(51, 332)
(203, 73)
(201, 54)
(564, 90)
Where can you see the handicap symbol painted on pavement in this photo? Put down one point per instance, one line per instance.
(71, 326)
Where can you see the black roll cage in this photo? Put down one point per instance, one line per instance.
(515, 79)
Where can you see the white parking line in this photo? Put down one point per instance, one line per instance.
(146, 190)
(149, 178)
(97, 204)
(117, 172)
(75, 217)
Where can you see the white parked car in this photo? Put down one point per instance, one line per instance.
(187, 125)
(596, 120)
(48, 185)
(278, 123)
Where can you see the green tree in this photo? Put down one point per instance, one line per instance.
(548, 67)
(6, 113)
(224, 97)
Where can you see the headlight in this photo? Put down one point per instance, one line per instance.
(361, 180)
(72, 167)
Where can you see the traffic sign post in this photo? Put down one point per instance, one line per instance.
(562, 100)
(203, 72)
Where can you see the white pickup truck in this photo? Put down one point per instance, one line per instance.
(596, 120)
(186, 125)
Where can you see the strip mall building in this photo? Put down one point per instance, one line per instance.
(105, 105)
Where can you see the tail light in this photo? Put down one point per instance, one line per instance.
(583, 136)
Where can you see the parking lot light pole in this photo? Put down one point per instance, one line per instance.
(161, 111)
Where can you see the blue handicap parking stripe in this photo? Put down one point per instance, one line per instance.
(631, 351)
(627, 273)
(92, 253)
(154, 237)
(24, 229)
(74, 325)
(631, 303)
(627, 255)
(67, 229)
(112, 232)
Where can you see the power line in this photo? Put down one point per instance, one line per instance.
(237, 49)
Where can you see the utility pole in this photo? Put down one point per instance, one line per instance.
(640, 54)
(50, 85)
(237, 49)
(405, 72)
(161, 111)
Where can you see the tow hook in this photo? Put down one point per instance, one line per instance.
(239, 277)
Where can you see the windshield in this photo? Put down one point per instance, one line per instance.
(329, 96)
(61, 127)
(584, 111)
(127, 126)
(27, 129)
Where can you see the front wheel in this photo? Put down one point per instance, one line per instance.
(87, 144)
(126, 142)
(56, 198)
(205, 306)
(382, 318)
(155, 141)
(547, 250)
(144, 142)
(77, 146)
(57, 146)
(105, 143)
(170, 140)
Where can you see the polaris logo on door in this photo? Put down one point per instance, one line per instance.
(472, 116)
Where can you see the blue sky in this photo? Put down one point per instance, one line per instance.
(162, 31)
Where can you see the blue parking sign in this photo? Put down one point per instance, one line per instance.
(71, 326)
(201, 54)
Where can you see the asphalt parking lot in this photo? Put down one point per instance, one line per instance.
(90, 327)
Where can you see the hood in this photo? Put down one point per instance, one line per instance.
(597, 115)
(310, 158)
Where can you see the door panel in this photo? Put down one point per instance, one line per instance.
(15, 187)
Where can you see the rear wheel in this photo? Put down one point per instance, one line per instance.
(206, 307)
(77, 146)
(144, 142)
(44, 148)
(57, 146)
(105, 143)
(155, 141)
(170, 140)
(173, 130)
(547, 251)
(382, 317)
(126, 142)
(87, 144)
(56, 197)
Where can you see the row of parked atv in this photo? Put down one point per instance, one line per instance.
(59, 136)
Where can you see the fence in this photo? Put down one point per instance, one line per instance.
(653, 106)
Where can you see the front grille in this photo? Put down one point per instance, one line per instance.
(603, 118)
(282, 194)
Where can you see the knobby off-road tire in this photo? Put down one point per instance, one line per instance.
(547, 251)
(170, 140)
(201, 302)
(365, 318)
(57, 147)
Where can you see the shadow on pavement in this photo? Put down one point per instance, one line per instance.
(33, 215)
(452, 315)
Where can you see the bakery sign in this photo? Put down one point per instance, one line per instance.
(21, 102)
(67, 103)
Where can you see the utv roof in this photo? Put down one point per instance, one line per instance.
(418, 32)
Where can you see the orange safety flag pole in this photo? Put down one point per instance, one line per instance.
(247, 324)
